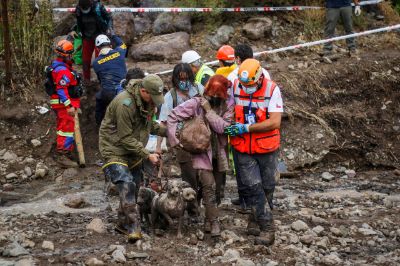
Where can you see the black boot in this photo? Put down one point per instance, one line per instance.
(252, 226)
(267, 234)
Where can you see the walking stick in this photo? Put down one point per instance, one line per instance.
(78, 141)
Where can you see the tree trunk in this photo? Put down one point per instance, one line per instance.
(6, 40)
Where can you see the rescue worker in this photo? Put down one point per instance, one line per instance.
(255, 139)
(110, 69)
(226, 57)
(65, 101)
(340, 9)
(242, 52)
(123, 135)
(201, 71)
(92, 20)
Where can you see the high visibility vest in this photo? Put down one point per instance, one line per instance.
(202, 71)
(252, 143)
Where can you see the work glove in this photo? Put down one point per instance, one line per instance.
(205, 104)
(357, 11)
(237, 129)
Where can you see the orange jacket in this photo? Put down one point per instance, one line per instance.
(252, 143)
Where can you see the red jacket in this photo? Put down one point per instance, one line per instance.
(64, 79)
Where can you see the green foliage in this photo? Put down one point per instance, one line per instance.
(31, 36)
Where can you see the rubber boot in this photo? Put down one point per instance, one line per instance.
(215, 228)
(267, 235)
(252, 226)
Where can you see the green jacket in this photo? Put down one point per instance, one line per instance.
(125, 129)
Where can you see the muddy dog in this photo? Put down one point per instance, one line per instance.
(171, 205)
(145, 197)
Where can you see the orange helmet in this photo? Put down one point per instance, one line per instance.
(64, 48)
(226, 53)
(249, 72)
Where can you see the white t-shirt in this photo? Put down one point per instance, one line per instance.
(276, 102)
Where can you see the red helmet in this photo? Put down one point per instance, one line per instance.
(226, 53)
(64, 48)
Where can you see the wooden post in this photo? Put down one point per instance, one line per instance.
(6, 40)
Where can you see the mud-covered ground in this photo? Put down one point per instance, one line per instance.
(340, 206)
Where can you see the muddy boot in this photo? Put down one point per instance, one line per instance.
(215, 228)
(252, 226)
(267, 235)
(64, 160)
(235, 201)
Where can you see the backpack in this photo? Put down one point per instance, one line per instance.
(195, 135)
(50, 87)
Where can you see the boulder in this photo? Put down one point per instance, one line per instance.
(141, 25)
(169, 23)
(48, 245)
(223, 35)
(75, 202)
(168, 46)
(93, 262)
(299, 225)
(41, 170)
(257, 28)
(124, 26)
(63, 22)
(96, 225)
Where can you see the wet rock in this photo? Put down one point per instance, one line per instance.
(217, 252)
(70, 173)
(397, 172)
(307, 239)
(7, 263)
(336, 231)
(169, 23)
(97, 226)
(137, 255)
(318, 229)
(326, 176)
(350, 173)
(14, 250)
(223, 35)
(112, 248)
(141, 25)
(9, 156)
(323, 243)
(118, 256)
(124, 26)
(36, 142)
(257, 28)
(11, 176)
(299, 225)
(367, 231)
(331, 259)
(168, 46)
(244, 262)
(93, 262)
(41, 170)
(8, 187)
(318, 220)
(48, 245)
(391, 201)
(28, 171)
(24, 262)
(231, 255)
(75, 201)
(27, 243)
(199, 234)
(229, 237)
(293, 238)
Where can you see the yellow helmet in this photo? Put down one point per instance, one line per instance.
(249, 72)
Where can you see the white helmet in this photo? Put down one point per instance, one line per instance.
(102, 40)
(190, 57)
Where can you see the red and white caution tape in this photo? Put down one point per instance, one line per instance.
(209, 9)
(309, 44)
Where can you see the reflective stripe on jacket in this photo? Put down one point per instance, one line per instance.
(257, 104)
(204, 70)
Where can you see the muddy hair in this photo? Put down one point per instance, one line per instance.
(243, 51)
(181, 68)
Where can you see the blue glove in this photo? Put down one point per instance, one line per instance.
(237, 129)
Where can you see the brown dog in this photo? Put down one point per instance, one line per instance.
(144, 200)
(171, 205)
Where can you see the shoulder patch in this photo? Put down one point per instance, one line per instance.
(127, 102)
(64, 81)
